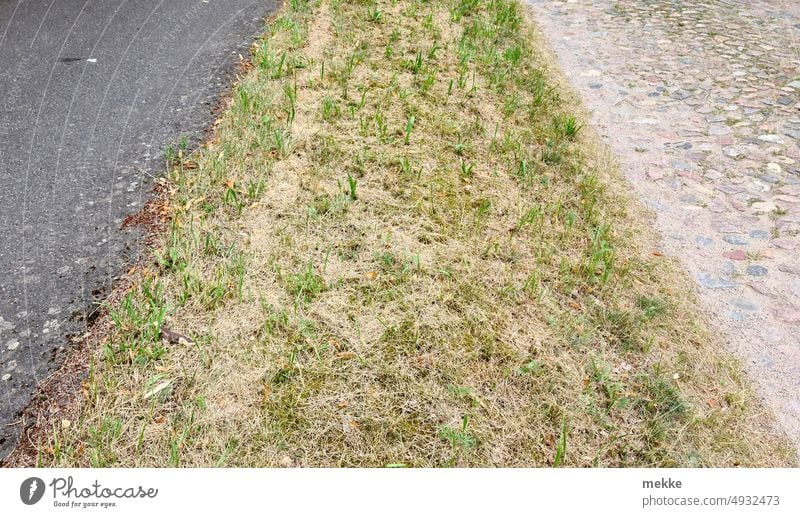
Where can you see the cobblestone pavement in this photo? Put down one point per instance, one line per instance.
(701, 102)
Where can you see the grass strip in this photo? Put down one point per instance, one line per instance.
(404, 247)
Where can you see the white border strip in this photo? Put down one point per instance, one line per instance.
(370, 492)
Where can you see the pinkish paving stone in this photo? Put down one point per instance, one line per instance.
(788, 315)
(655, 174)
(786, 244)
(786, 199)
(792, 269)
(735, 255)
(763, 207)
(767, 253)
(705, 95)
(761, 288)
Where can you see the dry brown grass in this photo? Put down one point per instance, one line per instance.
(477, 290)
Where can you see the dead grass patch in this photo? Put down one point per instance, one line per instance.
(404, 247)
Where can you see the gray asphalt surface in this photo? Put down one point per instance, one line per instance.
(91, 91)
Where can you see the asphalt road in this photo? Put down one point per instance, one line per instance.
(91, 91)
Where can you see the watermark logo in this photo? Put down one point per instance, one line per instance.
(68, 493)
(31, 491)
